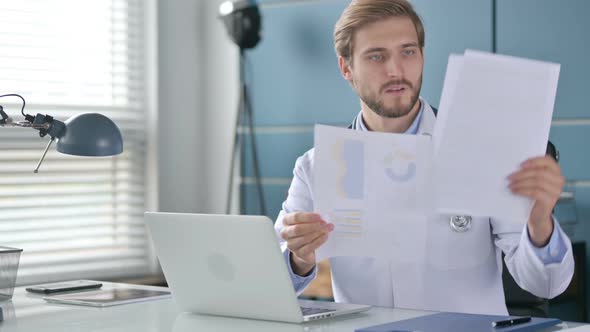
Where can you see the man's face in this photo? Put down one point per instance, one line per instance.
(386, 66)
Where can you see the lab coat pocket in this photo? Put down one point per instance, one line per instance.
(448, 249)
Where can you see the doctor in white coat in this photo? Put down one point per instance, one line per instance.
(380, 49)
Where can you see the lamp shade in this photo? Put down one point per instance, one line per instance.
(90, 134)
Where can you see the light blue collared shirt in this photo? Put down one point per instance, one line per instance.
(554, 251)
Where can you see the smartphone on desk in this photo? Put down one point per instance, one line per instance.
(65, 286)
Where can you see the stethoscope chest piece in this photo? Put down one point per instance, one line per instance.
(460, 224)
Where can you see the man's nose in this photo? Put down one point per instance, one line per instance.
(394, 67)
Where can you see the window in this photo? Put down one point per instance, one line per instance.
(78, 217)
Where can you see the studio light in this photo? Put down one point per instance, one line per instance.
(242, 21)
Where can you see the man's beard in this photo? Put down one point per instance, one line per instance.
(376, 104)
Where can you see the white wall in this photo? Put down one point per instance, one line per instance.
(197, 102)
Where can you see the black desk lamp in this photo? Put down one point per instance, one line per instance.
(87, 134)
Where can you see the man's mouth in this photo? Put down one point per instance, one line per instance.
(395, 89)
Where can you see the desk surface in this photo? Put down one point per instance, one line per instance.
(29, 312)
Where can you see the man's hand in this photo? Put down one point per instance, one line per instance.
(304, 233)
(539, 179)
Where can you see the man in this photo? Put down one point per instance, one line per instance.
(380, 49)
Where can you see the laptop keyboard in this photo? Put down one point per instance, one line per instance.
(313, 311)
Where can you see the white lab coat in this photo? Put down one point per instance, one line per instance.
(462, 272)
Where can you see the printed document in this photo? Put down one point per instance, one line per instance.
(495, 114)
(372, 187)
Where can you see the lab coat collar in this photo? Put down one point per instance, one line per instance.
(426, 126)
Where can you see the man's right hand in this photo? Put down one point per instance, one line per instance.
(304, 233)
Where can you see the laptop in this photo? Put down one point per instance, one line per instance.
(231, 266)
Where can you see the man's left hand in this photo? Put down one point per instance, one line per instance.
(540, 179)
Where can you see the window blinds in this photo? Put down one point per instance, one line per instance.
(78, 217)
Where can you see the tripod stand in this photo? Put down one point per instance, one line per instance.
(243, 115)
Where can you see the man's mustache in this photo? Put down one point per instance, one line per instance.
(391, 83)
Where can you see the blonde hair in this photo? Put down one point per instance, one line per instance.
(362, 12)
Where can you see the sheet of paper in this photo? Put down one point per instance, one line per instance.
(371, 186)
(497, 116)
(452, 75)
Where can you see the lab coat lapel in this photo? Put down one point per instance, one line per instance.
(426, 126)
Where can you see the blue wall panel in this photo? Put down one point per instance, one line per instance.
(451, 27)
(276, 153)
(294, 70)
(582, 204)
(274, 196)
(572, 143)
(556, 31)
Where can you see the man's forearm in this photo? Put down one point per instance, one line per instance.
(540, 232)
(300, 267)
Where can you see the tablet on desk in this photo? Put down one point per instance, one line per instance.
(108, 297)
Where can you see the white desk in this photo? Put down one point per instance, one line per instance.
(27, 312)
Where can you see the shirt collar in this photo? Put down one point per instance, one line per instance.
(412, 130)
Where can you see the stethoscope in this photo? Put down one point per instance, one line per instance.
(457, 223)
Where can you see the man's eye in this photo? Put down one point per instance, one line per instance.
(376, 57)
(409, 52)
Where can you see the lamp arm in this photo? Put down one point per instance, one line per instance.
(45, 124)
(26, 124)
(36, 170)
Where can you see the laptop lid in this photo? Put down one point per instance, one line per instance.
(224, 265)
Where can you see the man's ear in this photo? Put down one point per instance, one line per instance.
(345, 68)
